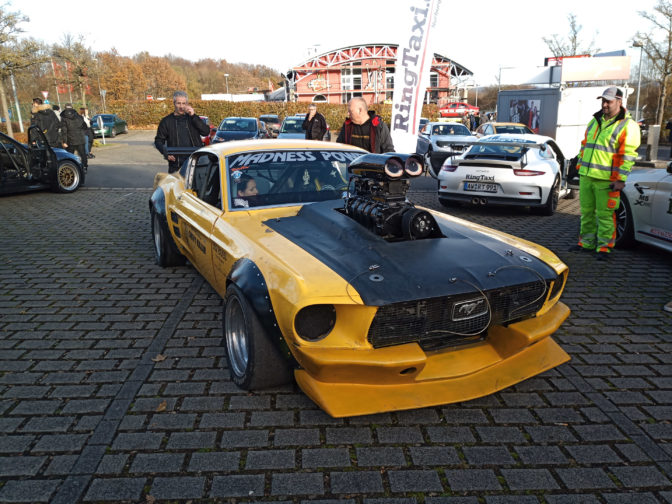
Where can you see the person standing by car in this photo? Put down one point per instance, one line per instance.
(46, 119)
(182, 128)
(365, 129)
(84, 112)
(607, 154)
(315, 124)
(73, 132)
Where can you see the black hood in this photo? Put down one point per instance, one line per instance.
(69, 113)
(383, 272)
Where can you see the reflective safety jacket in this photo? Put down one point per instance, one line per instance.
(609, 148)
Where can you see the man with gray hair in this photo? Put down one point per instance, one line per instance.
(182, 128)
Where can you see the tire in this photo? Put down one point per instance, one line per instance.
(254, 362)
(69, 177)
(625, 228)
(126, 128)
(551, 204)
(428, 160)
(113, 133)
(165, 250)
(572, 194)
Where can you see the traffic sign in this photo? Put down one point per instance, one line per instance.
(45, 94)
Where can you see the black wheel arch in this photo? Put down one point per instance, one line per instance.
(246, 275)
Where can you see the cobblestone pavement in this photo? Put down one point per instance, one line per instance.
(112, 385)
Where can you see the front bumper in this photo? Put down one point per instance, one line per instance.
(353, 382)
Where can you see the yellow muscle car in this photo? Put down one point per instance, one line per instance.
(330, 276)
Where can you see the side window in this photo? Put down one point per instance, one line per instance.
(212, 190)
(488, 130)
(203, 178)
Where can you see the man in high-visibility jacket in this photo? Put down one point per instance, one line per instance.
(608, 152)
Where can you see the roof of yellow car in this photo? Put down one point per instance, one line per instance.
(225, 148)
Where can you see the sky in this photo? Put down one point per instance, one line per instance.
(482, 35)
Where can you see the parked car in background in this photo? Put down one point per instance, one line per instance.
(497, 128)
(645, 212)
(37, 165)
(316, 288)
(240, 128)
(446, 137)
(457, 109)
(522, 170)
(423, 122)
(292, 127)
(112, 125)
(272, 122)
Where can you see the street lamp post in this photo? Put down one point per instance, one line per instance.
(226, 76)
(100, 90)
(639, 79)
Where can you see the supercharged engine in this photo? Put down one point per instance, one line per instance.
(378, 199)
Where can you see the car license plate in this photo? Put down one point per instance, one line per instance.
(480, 186)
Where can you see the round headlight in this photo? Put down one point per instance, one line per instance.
(394, 168)
(413, 167)
(315, 322)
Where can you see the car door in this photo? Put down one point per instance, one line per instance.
(199, 208)
(15, 166)
(660, 225)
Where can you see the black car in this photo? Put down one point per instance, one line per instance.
(37, 165)
(240, 128)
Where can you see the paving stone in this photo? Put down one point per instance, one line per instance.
(529, 479)
(360, 482)
(61, 465)
(137, 441)
(214, 462)
(250, 402)
(512, 416)
(641, 477)
(434, 455)
(524, 400)
(60, 443)
(83, 406)
(68, 391)
(501, 434)
(598, 433)
(487, 455)
(464, 416)
(317, 417)
(585, 478)
(153, 404)
(463, 480)
(183, 487)
(8, 425)
(222, 420)
(272, 418)
(29, 408)
(398, 435)
(157, 463)
(191, 440)
(28, 490)
(511, 499)
(559, 415)
(181, 389)
(633, 453)
(244, 439)
(550, 434)
(630, 497)
(422, 416)
(380, 457)
(112, 464)
(48, 424)
(541, 455)
(348, 435)
(297, 484)
(115, 489)
(20, 466)
(132, 422)
(296, 437)
(15, 443)
(202, 404)
(247, 486)
(270, 459)
(325, 457)
(593, 454)
(172, 421)
(451, 435)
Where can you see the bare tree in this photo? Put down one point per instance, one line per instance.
(659, 51)
(572, 45)
(78, 60)
(14, 55)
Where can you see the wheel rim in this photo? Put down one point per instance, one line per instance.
(157, 235)
(68, 177)
(236, 336)
(621, 220)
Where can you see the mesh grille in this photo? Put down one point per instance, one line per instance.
(439, 322)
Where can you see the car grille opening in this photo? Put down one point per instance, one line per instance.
(436, 323)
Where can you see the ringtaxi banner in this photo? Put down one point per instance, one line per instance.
(411, 78)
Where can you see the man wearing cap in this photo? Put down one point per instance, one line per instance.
(608, 152)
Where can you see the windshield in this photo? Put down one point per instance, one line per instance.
(450, 129)
(272, 178)
(238, 125)
(513, 129)
(107, 118)
(292, 126)
(507, 152)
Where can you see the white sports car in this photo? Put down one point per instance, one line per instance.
(645, 213)
(523, 170)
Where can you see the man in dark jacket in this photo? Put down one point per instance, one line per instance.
(73, 133)
(46, 119)
(182, 128)
(365, 129)
(315, 124)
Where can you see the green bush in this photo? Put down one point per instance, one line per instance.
(148, 114)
